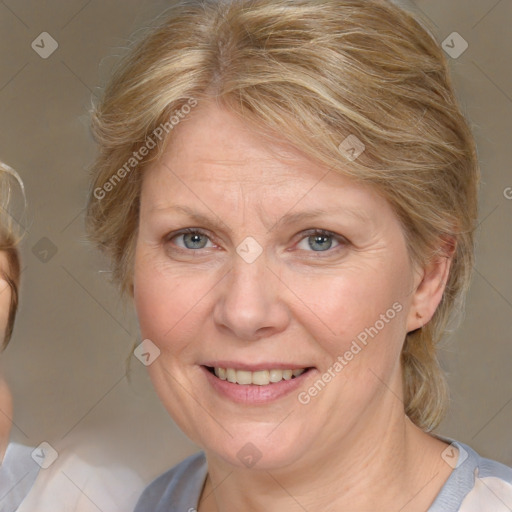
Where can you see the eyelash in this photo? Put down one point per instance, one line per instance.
(342, 241)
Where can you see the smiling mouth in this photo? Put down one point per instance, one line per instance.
(258, 378)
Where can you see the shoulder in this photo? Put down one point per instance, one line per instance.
(492, 489)
(179, 487)
(74, 482)
(476, 484)
(17, 458)
(18, 472)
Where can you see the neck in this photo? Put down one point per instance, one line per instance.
(390, 464)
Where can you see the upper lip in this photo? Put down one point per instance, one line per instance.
(252, 367)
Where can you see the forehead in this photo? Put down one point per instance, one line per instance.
(211, 137)
(213, 147)
(217, 164)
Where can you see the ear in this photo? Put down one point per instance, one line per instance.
(430, 283)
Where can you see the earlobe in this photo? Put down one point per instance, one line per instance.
(429, 290)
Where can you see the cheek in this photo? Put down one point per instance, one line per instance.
(359, 324)
(168, 302)
(351, 303)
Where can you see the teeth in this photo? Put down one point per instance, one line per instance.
(259, 378)
(243, 377)
(231, 375)
(275, 375)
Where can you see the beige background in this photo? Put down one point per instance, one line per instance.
(67, 362)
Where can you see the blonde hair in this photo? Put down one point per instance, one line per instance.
(314, 72)
(11, 191)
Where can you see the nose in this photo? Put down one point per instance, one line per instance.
(250, 304)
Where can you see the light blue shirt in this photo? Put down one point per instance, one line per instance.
(476, 484)
(17, 475)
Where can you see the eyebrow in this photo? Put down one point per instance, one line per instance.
(291, 218)
(285, 220)
(214, 221)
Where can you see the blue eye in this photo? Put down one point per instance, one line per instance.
(192, 239)
(319, 241)
(315, 240)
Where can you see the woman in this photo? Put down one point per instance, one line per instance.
(17, 470)
(287, 190)
(70, 482)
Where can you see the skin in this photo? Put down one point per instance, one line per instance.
(351, 448)
(5, 394)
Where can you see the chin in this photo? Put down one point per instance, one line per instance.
(257, 450)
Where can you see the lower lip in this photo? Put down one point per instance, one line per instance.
(253, 394)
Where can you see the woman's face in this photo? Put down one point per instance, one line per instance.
(252, 287)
